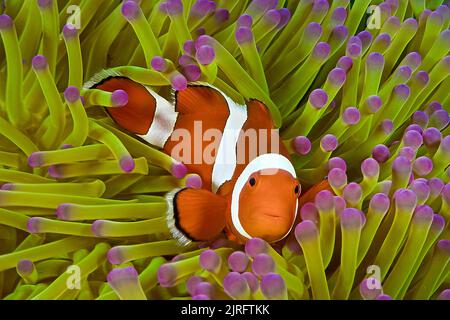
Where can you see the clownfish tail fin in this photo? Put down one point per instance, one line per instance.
(144, 112)
(195, 215)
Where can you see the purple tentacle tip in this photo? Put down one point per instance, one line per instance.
(25, 266)
(370, 167)
(7, 187)
(174, 7)
(70, 31)
(306, 230)
(322, 50)
(238, 261)
(339, 16)
(122, 275)
(402, 91)
(39, 62)
(235, 284)
(375, 60)
(405, 199)
(423, 166)
(354, 47)
(380, 203)
(413, 139)
(62, 211)
(204, 288)
(370, 288)
(302, 145)
(402, 164)
(33, 225)
(337, 77)
(263, 264)
(444, 295)
(345, 63)
(167, 275)
(318, 98)
(205, 55)
(194, 181)
(222, 15)
(421, 118)
(72, 94)
(252, 281)
(337, 162)
(273, 286)
(130, 10)
(381, 153)
(337, 178)
(244, 35)
(179, 82)
(324, 200)
(119, 98)
(444, 246)
(329, 143)
(272, 17)
(45, 3)
(35, 160)
(352, 193)
(127, 164)
(192, 283)
(255, 246)
(351, 116)
(114, 256)
(54, 171)
(179, 170)
(159, 64)
(423, 214)
(5, 22)
(96, 227)
(285, 17)
(192, 72)
(245, 20)
(210, 260)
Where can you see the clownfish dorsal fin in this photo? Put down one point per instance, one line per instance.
(195, 214)
(145, 114)
(201, 99)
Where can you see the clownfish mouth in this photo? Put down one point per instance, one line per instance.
(273, 215)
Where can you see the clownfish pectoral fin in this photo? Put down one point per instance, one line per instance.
(195, 215)
(146, 114)
(310, 195)
(201, 100)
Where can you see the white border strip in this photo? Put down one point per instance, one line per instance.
(265, 161)
(226, 158)
(163, 122)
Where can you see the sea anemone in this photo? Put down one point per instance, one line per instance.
(360, 99)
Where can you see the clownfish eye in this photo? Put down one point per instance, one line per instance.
(252, 181)
(297, 189)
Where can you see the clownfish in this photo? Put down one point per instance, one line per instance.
(247, 191)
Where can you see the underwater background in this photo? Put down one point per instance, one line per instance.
(359, 90)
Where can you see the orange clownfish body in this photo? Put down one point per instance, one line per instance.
(249, 185)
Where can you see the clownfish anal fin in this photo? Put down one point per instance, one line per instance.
(201, 100)
(137, 115)
(195, 215)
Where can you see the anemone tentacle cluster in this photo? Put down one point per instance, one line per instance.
(359, 90)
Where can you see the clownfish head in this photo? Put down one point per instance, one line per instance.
(265, 200)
